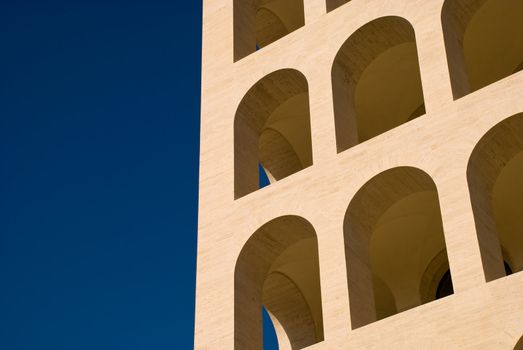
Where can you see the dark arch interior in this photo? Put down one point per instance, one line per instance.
(483, 42)
(258, 23)
(277, 286)
(376, 81)
(391, 227)
(494, 177)
(272, 134)
(445, 287)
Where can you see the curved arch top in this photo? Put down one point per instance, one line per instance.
(494, 171)
(483, 42)
(272, 128)
(278, 268)
(258, 23)
(393, 232)
(376, 81)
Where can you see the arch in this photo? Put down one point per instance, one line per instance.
(334, 4)
(258, 23)
(483, 42)
(376, 81)
(392, 231)
(278, 268)
(494, 176)
(272, 128)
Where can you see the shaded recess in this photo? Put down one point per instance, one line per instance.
(376, 81)
(519, 345)
(333, 4)
(394, 245)
(495, 173)
(257, 23)
(483, 42)
(272, 128)
(278, 269)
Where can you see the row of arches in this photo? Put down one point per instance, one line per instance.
(395, 251)
(376, 84)
(258, 23)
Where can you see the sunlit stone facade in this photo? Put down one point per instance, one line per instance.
(391, 132)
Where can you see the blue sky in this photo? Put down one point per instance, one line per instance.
(99, 127)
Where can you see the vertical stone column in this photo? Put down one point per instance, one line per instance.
(314, 9)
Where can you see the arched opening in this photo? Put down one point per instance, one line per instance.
(257, 23)
(278, 269)
(376, 81)
(334, 4)
(394, 245)
(483, 42)
(494, 175)
(272, 129)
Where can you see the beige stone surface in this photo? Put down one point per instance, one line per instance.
(485, 312)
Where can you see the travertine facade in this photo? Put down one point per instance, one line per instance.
(392, 134)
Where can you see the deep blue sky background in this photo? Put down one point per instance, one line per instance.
(99, 127)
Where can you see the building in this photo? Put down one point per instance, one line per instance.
(392, 134)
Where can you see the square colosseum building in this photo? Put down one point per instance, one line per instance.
(361, 174)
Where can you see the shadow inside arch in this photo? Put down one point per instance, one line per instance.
(278, 269)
